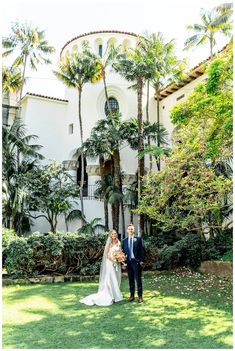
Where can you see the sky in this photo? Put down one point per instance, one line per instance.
(63, 20)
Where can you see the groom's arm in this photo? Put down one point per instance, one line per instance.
(123, 249)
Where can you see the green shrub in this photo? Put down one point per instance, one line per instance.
(219, 245)
(20, 260)
(163, 238)
(169, 257)
(185, 252)
(7, 236)
(228, 256)
(151, 252)
(55, 253)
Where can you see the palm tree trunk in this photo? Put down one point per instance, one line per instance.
(140, 148)
(117, 181)
(22, 86)
(158, 131)
(116, 164)
(211, 45)
(106, 212)
(82, 157)
(131, 215)
(106, 91)
(147, 117)
(11, 223)
(122, 210)
(123, 219)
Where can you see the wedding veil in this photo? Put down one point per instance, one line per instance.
(103, 267)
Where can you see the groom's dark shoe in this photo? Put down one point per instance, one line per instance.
(140, 299)
(131, 298)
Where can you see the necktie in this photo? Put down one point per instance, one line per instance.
(130, 248)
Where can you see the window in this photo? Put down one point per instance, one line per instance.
(113, 103)
(100, 50)
(179, 97)
(71, 128)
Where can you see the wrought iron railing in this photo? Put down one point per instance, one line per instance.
(89, 192)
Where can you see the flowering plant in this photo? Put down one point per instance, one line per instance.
(118, 257)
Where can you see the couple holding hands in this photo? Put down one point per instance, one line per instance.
(131, 255)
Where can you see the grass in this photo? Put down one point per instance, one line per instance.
(182, 309)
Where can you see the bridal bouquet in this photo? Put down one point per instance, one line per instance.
(118, 257)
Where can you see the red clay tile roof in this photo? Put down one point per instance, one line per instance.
(194, 73)
(46, 97)
(97, 32)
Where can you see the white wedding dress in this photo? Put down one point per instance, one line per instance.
(109, 282)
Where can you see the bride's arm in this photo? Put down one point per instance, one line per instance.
(106, 254)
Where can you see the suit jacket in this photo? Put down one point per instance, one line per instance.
(138, 248)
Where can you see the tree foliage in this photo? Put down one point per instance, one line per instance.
(190, 194)
(52, 192)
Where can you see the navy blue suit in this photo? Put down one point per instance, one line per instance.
(133, 264)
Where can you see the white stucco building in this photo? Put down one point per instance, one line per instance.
(55, 121)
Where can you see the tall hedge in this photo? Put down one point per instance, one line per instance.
(63, 253)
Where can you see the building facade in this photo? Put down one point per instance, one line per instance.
(55, 121)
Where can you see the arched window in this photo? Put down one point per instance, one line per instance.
(113, 104)
(100, 48)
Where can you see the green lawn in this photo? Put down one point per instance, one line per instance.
(181, 310)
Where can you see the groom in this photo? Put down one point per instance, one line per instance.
(133, 248)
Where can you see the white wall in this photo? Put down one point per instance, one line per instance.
(170, 101)
(46, 119)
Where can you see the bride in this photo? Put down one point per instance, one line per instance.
(110, 276)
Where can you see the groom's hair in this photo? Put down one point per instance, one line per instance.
(130, 225)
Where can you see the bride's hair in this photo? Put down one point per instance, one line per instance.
(110, 235)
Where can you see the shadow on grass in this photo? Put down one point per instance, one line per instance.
(160, 322)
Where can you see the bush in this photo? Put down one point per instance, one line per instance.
(185, 252)
(151, 252)
(169, 257)
(164, 238)
(215, 248)
(228, 256)
(20, 260)
(7, 236)
(62, 253)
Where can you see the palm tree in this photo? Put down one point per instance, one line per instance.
(168, 69)
(131, 198)
(109, 128)
(11, 80)
(75, 71)
(106, 60)
(19, 158)
(31, 45)
(225, 9)
(113, 196)
(105, 142)
(151, 132)
(218, 20)
(74, 214)
(101, 193)
(97, 146)
(91, 227)
(134, 66)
